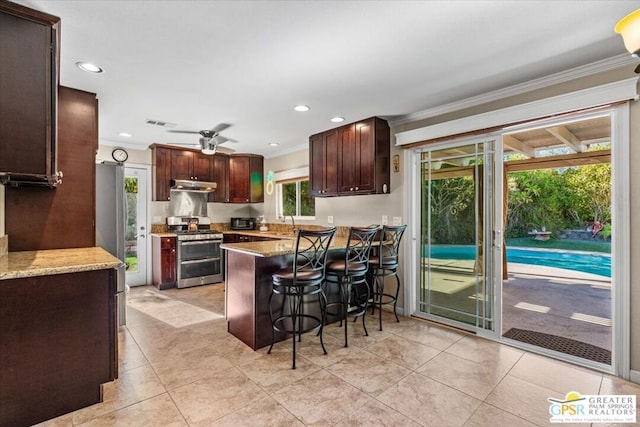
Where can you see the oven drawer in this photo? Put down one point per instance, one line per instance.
(200, 267)
(197, 249)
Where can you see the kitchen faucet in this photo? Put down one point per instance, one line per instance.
(283, 218)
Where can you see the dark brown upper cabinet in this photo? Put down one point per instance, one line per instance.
(323, 163)
(221, 177)
(29, 58)
(191, 165)
(239, 177)
(161, 171)
(350, 160)
(246, 178)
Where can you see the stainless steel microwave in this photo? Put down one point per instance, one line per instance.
(243, 223)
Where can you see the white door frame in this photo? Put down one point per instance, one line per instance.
(620, 249)
(146, 172)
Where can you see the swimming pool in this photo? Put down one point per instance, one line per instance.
(588, 262)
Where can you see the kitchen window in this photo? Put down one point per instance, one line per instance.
(294, 195)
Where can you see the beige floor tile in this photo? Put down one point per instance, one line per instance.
(273, 371)
(486, 352)
(355, 332)
(429, 402)
(429, 334)
(321, 398)
(404, 352)
(523, 399)
(555, 375)
(194, 366)
(176, 346)
(618, 386)
(474, 379)
(157, 411)
(368, 372)
(490, 416)
(129, 354)
(131, 387)
(264, 412)
(226, 391)
(310, 348)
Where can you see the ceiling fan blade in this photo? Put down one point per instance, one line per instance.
(183, 131)
(219, 139)
(219, 128)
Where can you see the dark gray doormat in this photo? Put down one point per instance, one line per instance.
(561, 344)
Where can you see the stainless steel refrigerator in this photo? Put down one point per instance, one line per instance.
(111, 222)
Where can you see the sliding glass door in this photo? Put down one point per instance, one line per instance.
(460, 248)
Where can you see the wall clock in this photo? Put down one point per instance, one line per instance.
(119, 155)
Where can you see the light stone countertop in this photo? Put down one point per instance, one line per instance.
(16, 265)
(282, 246)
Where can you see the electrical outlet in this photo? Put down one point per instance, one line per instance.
(397, 220)
(385, 220)
(330, 219)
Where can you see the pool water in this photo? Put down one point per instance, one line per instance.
(587, 262)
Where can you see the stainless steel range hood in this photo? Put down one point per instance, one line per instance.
(194, 186)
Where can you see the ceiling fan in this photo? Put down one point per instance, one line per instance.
(210, 138)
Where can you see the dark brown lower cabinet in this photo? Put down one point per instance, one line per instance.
(58, 344)
(164, 262)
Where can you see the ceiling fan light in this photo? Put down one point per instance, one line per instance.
(629, 28)
(207, 146)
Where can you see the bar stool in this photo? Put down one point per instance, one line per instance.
(350, 274)
(385, 264)
(303, 279)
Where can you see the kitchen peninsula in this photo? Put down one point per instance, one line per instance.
(249, 267)
(59, 331)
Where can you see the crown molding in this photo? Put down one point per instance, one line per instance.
(536, 84)
(573, 101)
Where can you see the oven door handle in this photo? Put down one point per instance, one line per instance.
(198, 242)
(195, 261)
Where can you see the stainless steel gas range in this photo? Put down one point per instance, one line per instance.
(199, 258)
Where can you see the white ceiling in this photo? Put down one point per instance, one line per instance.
(248, 63)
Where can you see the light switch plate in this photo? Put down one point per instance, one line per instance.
(385, 220)
(330, 219)
(397, 220)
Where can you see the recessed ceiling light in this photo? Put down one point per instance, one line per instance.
(125, 134)
(301, 108)
(274, 144)
(337, 119)
(89, 67)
